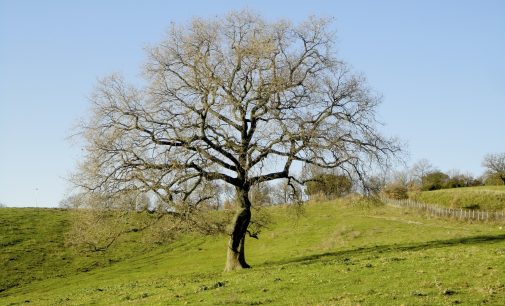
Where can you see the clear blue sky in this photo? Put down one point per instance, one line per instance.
(440, 66)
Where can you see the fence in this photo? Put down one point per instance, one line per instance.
(458, 213)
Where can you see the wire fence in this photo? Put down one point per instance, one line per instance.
(457, 213)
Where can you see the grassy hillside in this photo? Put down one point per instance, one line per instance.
(33, 247)
(31, 243)
(333, 254)
(490, 198)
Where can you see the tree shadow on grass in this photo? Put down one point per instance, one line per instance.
(433, 244)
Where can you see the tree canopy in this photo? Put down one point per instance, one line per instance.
(434, 180)
(235, 99)
(495, 164)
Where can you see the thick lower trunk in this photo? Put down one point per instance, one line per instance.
(236, 257)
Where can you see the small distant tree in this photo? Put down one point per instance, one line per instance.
(329, 185)
(455, 182)
(396, 191)
(376, 183)
(72, 201)
(403, 177)
(419, 170)
(434, 181)
(285, 192)
(457, 179)
(261, 195)
(492, 179)
(495, 164)
(471, 181)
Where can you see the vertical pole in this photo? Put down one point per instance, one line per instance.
(36, 198)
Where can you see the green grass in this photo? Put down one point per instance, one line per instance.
(491, 198)
(333, 254)
(33, 247)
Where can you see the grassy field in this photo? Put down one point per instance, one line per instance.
(491, 198)
(332, 254)
(33, 248)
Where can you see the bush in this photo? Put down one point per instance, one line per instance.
(460, 180)
(329, 185)
(434, 181)
(396, 191)
(493, 179)
(360, 201)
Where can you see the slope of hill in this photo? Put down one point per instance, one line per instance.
(332, 254)
(33, 247)
(491, 198)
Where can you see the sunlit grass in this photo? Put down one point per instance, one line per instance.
(490, 198)
(332, 254)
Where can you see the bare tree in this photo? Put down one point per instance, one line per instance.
(234, 99)
(495, 164)
(420, 169)
(261, 194)
(286, 192)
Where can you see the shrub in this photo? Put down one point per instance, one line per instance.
(434, 181)
(493, 179)
(396, 191)
(329, 185)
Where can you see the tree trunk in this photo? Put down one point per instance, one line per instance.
(236, 257)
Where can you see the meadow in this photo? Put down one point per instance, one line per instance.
(334, 253)
(490, 198)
